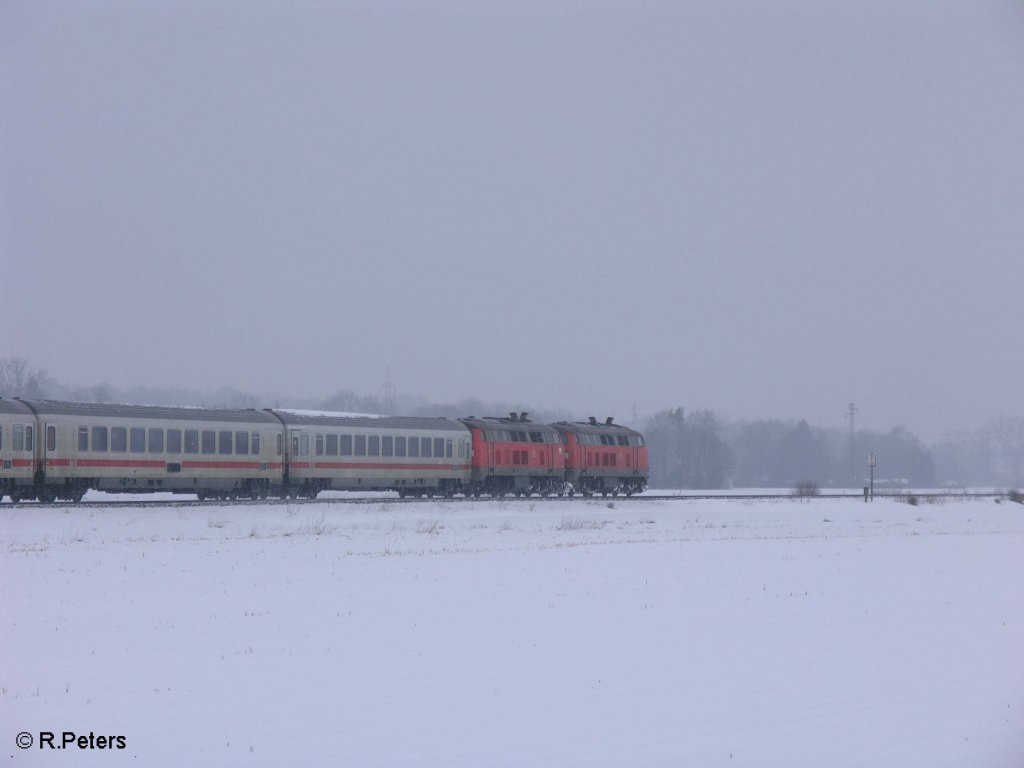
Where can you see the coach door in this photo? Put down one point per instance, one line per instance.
(49, 446)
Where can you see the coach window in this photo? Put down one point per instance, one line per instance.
(1, 438)
(224, 443)
(374, 446)
(29, 442)
(242, 443)
(414, 447)
(387, 446)
(119, 439)
(156, 441)
(448, 448)
(174, 441)
(305, 443)
(399, 446)
(208, 442)
(319, 444)
(280, 443)
(255, 443)
(360, 445)
(191, 441)
(51, 438)
(138, 440)
(425, 448)
(332, 445)
(439, 447)
(346, 445)
(99, 439)
(19, 438)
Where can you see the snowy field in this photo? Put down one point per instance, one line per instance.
(627, 633)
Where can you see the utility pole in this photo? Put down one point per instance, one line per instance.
(851, 414)
(389, 393)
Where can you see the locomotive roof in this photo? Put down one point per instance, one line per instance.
(342, 420)
(600, 428)
(8, 405)
(170, 413)
(503, 422)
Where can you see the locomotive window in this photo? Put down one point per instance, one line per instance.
(622, 440)
(174, 441)
(360, 445)
(28, 438)
(156, 441)
(319, 444)
(332, 445)
(448, 447)
(138, 440)
(51, 438)
(83, 438)
(536, 437)
(224, 443)
(414, 447)
(99, 439)
(425, 448)
(209, 441)
(119, 439)
(387, 446)
(346, 445)
(399, 446)
(255, 444)
(439, 447)
(374, 449)
(242, 443)
(191, 441)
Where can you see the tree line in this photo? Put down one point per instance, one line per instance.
(689, 449)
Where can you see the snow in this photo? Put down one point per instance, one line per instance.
(497, 633)
(330, 414)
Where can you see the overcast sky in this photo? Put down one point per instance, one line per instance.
(766, 208)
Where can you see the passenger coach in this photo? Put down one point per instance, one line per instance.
(17, 450)
(413, 456)
(131, 448)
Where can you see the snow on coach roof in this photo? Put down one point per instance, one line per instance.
(313, 418)
(175, 413)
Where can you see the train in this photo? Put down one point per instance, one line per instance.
(55, 450)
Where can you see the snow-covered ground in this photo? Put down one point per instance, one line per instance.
(592, 633)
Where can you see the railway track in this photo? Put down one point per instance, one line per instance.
(780, 496)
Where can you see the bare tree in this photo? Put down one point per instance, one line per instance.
(17, 379)
(1007, 435)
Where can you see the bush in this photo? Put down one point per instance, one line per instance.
(806, 489)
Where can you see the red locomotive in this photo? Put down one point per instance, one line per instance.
(603, 458)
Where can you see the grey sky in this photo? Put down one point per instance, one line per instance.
(770, 209)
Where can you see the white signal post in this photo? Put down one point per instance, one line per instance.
(871, 466)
